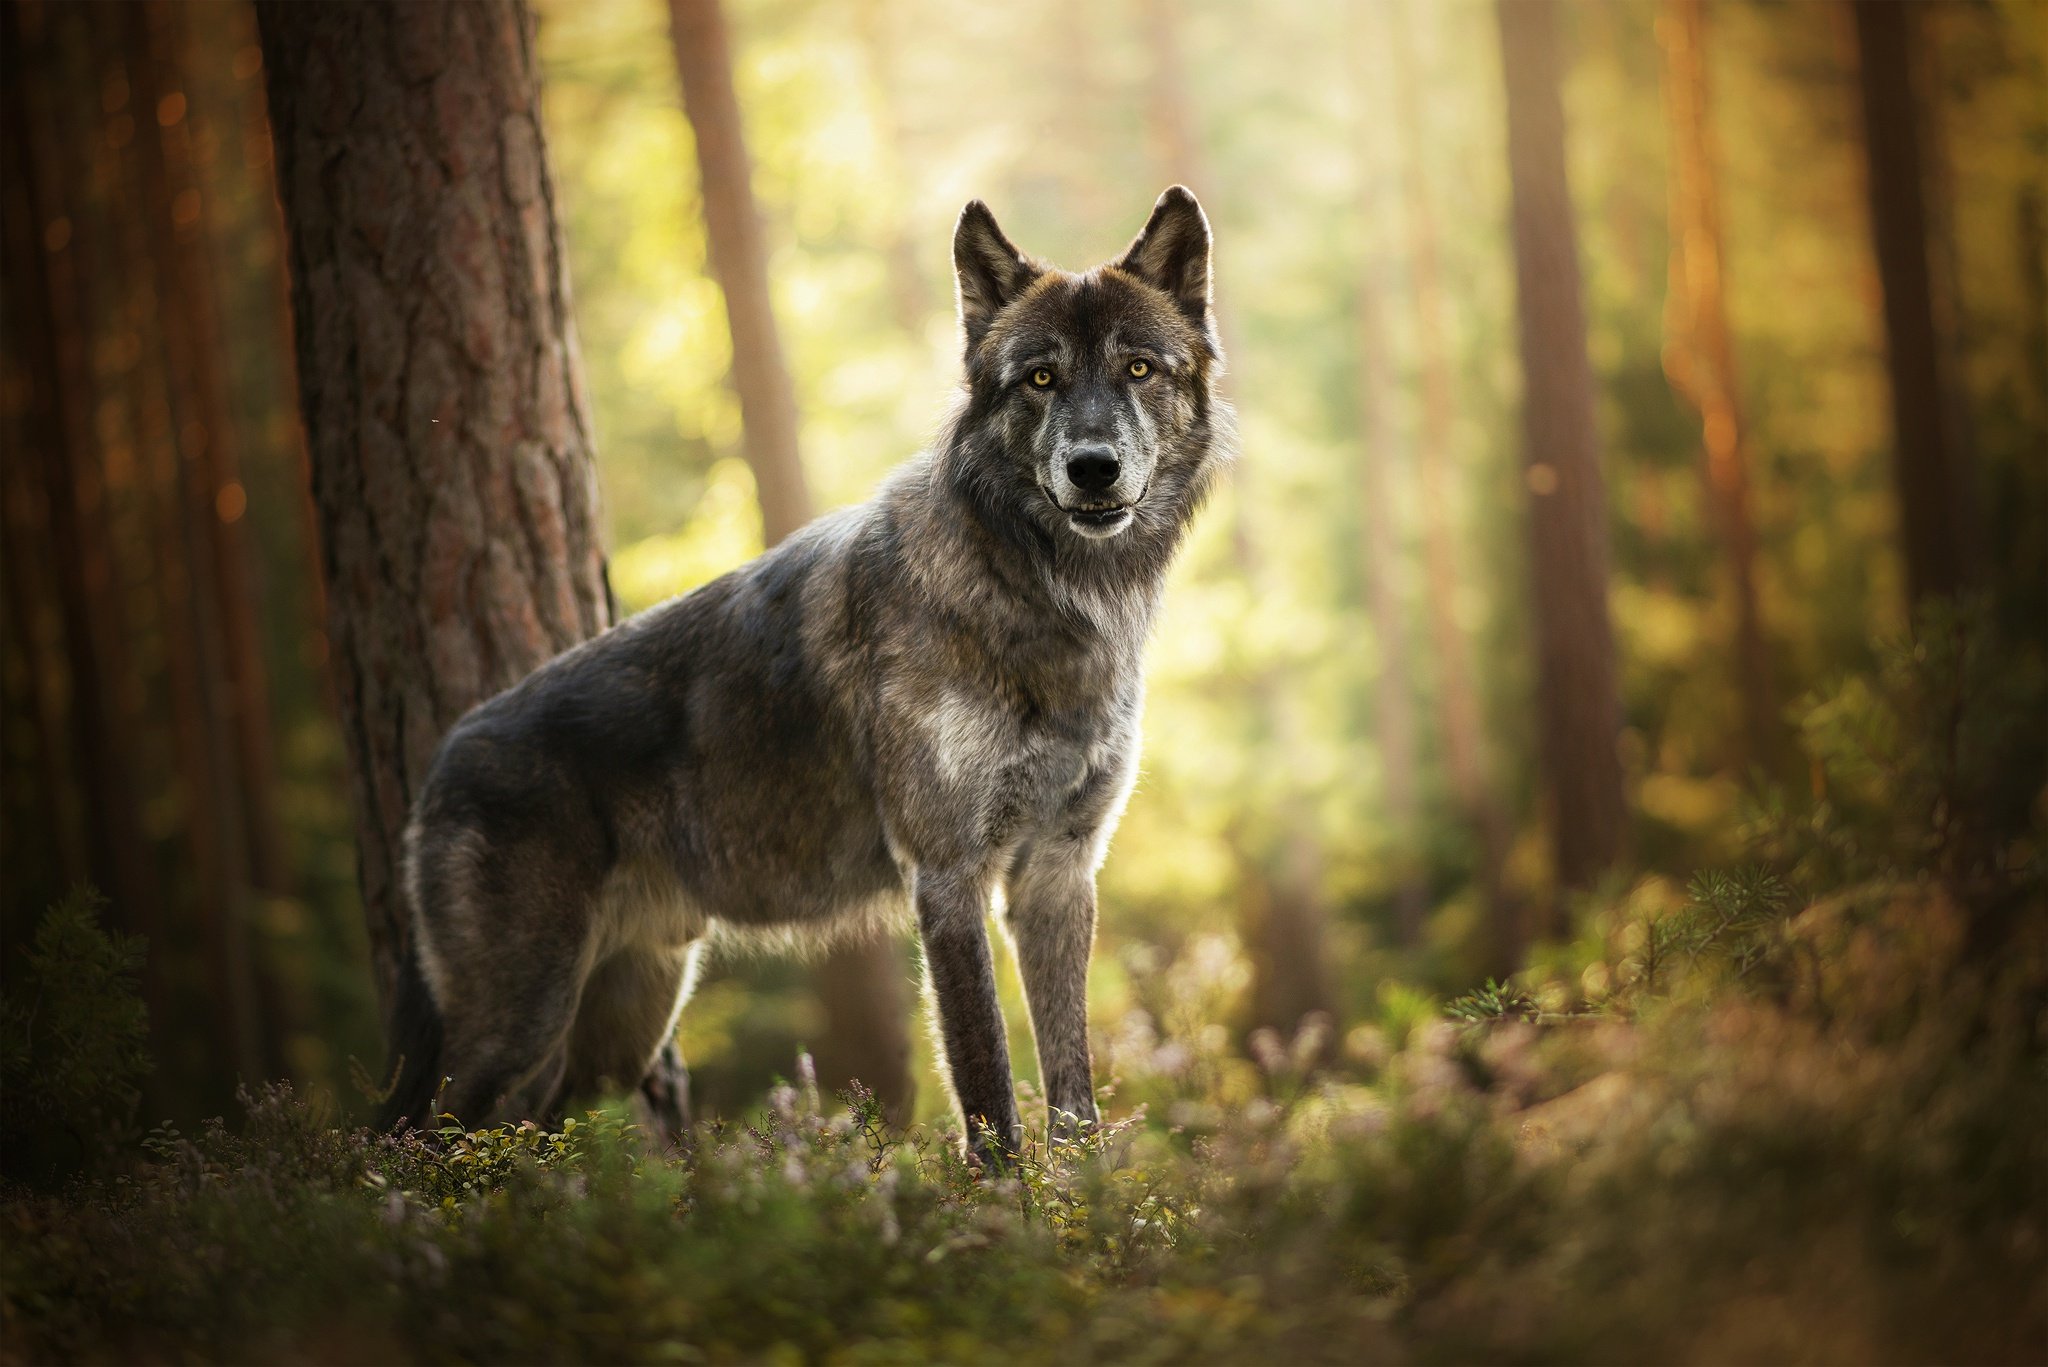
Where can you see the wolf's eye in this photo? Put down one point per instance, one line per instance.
(1041, 378)
(1140, 369)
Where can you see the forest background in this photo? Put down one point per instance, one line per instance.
(1355, 801)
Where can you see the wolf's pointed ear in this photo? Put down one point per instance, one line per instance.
(1172, 253)
(990, 271)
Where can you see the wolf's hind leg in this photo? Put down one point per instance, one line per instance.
(624, 1036)
(507, 939)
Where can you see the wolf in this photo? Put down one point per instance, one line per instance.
(927, 703)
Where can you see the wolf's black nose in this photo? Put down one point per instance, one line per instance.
(1093, 468)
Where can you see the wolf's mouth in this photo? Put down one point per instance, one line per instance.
(1099, 522)
(1100, 517)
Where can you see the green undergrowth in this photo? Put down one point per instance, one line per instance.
(1846, 1164)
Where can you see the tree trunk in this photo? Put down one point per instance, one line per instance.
(1579, 709)
(218, 694)
(1281, 916)
(1459, 716)
(1936, 516)
(1699, 354)
(861, 984)
(739, 260)
(171, 189)
(1379, 471)
(447, 426)
(910, 297)
(46, 331)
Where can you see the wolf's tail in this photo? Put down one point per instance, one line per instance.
(415, 1051)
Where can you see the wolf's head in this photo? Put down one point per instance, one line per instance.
(1094, 388)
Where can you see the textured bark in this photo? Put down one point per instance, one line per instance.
(1699, 354)
(1579, 710)
(1459, 716)
(1936, 516)
(445, 417)
(1379, 472)
(861, 985)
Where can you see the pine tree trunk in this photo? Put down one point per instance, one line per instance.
(861, 984)
(1936, 516)
(170, 184)
(445, 417)
(218, 694)
(1700, 354)
(47, 336)
(1579, 710)
(1466, 751)
(910, 296)
(1282, 917)
(1379, 473)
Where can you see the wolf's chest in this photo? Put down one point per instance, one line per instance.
(1012, 763)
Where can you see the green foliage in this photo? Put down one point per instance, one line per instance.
(1932, 763)
(1851, 1166)
(73, 1036)
(1493, 1002)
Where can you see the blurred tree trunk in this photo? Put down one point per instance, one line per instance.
(1936, 516)
(51, 400)
(1459, 716)
(1579, 709)
(910, 297)
(446, 422)
(1282, 917)
(175, 199)
(1699, 354)
(1379, 471)
(860, 984)
(206, 595)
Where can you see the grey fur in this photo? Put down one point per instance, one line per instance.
(927, 701)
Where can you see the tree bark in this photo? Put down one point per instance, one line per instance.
(1579, 709)
(1699, 354)
(1936, 514)
(1466, 751)
(447, 426)
(861, 985)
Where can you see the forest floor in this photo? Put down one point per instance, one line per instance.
(1797, 1112)
(1845, 1166)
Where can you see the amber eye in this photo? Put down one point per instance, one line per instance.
(1041, 378)
(1140, 369)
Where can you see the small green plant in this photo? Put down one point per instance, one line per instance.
(73, 1043)
(1496, 1001)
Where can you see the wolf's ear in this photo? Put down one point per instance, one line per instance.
(990, 271)
(1172, 253)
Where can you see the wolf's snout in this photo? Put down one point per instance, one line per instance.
(1093, 469)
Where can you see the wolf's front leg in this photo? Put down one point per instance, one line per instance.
(950, 921)
(1051, 913)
